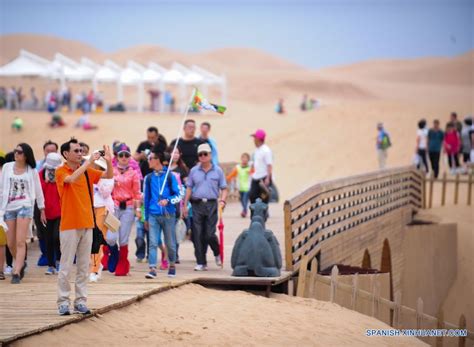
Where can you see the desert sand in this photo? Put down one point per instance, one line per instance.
(194, 315)
(336, 140)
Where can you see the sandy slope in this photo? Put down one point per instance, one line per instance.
(193, 315)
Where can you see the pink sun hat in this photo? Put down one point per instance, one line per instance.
(259, 134)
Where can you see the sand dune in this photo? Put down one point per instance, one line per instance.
(180, 317)
(45, 46)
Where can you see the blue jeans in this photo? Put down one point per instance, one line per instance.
(244, 200)
(141, 240)
(158, 224)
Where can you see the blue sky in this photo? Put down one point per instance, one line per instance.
(310, 33)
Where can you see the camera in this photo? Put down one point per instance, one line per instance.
(101, 152)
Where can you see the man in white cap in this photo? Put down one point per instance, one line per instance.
(263, 169)
(207, 190)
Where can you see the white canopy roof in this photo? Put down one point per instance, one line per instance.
(132, 74)
(154, 73)
(26, 64)
(109, 72)
(189, 76)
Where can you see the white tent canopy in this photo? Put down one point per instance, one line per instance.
(67, 69)
(133, 75)
(26, 64)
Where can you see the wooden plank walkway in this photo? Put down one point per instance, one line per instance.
(30, 307)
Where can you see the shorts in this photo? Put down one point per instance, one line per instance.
(24, 212)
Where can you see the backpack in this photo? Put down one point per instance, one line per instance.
(386, 143)
(168, 182)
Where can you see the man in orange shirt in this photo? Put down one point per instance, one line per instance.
(77, 220)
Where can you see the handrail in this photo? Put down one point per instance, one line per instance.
(331, 207)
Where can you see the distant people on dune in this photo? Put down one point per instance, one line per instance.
(308, 104)
(17, 124)
(422, 145)
(383, 143)
(280, 108)
(452, 145)
(435, 145)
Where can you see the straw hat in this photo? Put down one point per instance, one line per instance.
(53, 160)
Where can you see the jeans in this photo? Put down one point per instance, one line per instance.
(126, 217)
(158, 224)
(244, 200)
(141, 240)
(23, 212)
(422, 154)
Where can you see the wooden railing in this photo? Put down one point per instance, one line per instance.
(332, 207)
(443, 184)
(308, 280)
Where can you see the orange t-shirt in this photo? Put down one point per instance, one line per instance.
(76, 208)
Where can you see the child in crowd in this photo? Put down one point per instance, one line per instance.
(241, 173)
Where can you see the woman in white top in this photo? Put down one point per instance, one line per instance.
(20, 187)
(103, 204)
(422, 144)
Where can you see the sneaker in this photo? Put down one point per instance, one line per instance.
(51, 271)
(22, 271)
(8, 271)
(243, 214)
(200, 267)
(177, 261)
(16, 279)
(218, 261)
(172, 271)
(81, 308)
(63, 310)
(151, 275)
(164, 265)
(93, 277)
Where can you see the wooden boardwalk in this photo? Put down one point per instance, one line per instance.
(30, 307)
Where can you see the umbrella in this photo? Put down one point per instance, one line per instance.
(221, 236)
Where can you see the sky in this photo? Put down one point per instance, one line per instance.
(314, 34)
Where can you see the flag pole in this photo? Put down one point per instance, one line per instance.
(177, 139)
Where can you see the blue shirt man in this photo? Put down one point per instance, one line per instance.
(204, 137)
(206, 182)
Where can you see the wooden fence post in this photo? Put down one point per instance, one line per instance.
(300, 289)
(312, 278)
(419, 313)
(469, 189)
(440, 325)
(375, 296)
(430, 196)
(443, 190)
(355, 291)
(462, 325)
(397, 312)
(456, 190)
(334, 275)
(288, 237)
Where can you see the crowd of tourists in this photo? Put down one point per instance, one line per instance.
(456, 141)
(74, 195)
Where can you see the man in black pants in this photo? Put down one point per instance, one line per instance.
(207, 190)
(435, 143)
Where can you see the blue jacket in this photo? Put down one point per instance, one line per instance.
(151, 188)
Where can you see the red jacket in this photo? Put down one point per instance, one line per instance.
(452, 142)
(52, 203)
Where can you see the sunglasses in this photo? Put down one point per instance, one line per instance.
(18, 151)
(78, 150)
(203, 154)
(124, 154)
